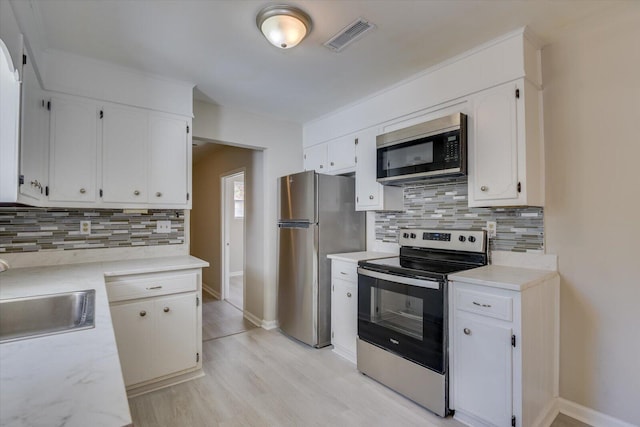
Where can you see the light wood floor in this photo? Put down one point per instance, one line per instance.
(219, 319)
(236, 297)
(262, 378)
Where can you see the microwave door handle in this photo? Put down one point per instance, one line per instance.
(400, 279)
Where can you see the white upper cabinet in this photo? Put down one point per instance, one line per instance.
(34, 141)
(315, 158)
(125, 135)
(370, 195)
(505, 147)
(341, 154)
(169, 148)
(73, 150)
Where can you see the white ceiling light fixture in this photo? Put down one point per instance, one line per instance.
(283, 26)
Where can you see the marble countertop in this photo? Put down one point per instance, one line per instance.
(354, 257)
(503, 277)
(74, 378)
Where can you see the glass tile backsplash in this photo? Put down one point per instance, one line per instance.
(444, 205)
(37, 229)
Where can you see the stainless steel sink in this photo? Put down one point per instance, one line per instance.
(31, 317)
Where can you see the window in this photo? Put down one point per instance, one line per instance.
(238, 199)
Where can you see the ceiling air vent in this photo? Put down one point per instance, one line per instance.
(349, 34)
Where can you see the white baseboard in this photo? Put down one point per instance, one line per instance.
(269, 324)
(548, 415)
(210, 291)
(252, 318)
(589, 416)
(236, 273)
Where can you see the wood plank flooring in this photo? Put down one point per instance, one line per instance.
(263, 378)
(219, 319)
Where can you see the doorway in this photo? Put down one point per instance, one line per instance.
(233, 236)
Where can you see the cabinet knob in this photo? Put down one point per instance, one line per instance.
(321, 166)
(467, 331)
(158, 194)
(349, 294)
(484, 188)
(370, 196)
(136, 193)
(143, 313)
(331, 163)
(166, 309)
(82, 191)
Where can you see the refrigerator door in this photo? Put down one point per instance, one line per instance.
(298, 281)
(297, 196)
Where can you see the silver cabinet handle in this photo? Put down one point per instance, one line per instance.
(143, 313)
(136, 193)
(467, 331)
(481, 305)
(342, 272)
(484, 188)
(158, 194)
(166, 309)
(396, 342)
(82, 191)
(348, 294)
(154, 287)
(371, 197)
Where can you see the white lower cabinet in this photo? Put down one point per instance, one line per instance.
(157, 320)
(344, 308)
(504, 353)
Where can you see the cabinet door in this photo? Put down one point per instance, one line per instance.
(34, 141)
(168, 167)
(344, 316)
(341, 154)
(133, 324)
(370, 195)
(73, 150)
(483, 369)
(125, 132)
(175, 335)
(493, 146)
(315, 158)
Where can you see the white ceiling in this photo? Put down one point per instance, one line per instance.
(216, 45)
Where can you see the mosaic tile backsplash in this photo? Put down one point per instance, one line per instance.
(38, 229)
(444, 205)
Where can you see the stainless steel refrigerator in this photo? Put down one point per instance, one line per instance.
(316, 217)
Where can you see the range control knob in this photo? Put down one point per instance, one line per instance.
(405, 235)
(471, 239)
(462, 238)
(413, 235)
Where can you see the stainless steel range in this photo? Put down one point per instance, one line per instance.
(403, 312)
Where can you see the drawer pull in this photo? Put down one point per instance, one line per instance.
(349, 294)
(342, 272)
(143, 313)
(481, 305)
(166, 309)
(396, 342)
(467, 331)
(160, 287)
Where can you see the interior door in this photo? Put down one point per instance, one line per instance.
(298, 281)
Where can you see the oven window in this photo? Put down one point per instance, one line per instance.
(408, 155)
(398, 312)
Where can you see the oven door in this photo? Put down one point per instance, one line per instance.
(403, 315)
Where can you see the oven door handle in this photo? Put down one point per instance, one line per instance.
(400, 279)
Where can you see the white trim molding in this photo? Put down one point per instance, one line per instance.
(269, 324)
(208, 289)
(252, 318)
(589, 416)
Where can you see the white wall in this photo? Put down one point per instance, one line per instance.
(282, 144)
(592, 111)
(235, 227)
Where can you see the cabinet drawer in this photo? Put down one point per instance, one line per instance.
(486, 304)
(144, 286)
(344, 270)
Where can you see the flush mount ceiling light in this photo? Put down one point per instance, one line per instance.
(284, 26)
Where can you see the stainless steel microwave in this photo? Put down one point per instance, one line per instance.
(437, 148)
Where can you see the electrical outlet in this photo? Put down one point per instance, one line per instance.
(85, 227)
(492, 227)
(163, 227)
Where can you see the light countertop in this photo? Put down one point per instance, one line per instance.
(498, 276)
(354, 257)
(74, 378)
